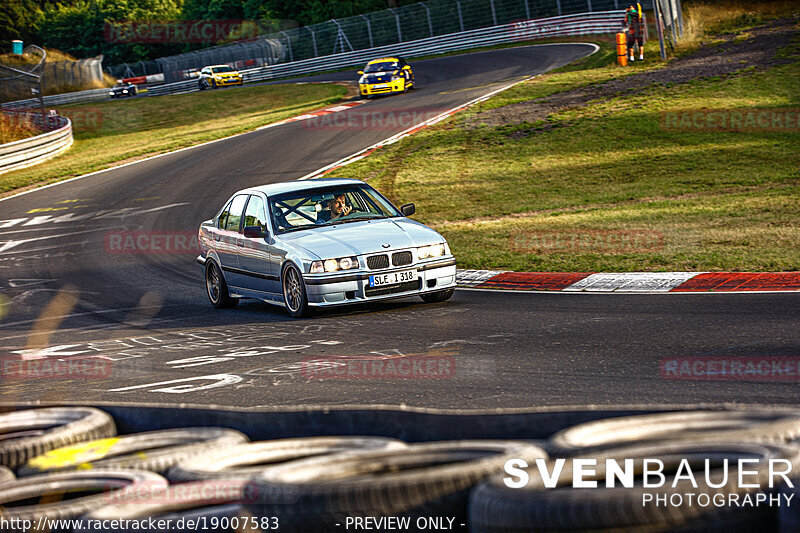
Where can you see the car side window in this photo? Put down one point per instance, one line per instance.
(223, 217)
(235, 215)
(255, 215)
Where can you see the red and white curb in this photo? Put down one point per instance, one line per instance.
(320, 113)
(631, 282)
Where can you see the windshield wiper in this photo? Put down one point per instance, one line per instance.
(288, 230)
(356, 219)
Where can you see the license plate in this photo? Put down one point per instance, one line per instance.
(380, 86)
(393, 278)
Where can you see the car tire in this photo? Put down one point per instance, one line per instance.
(217, 288)
(6, 474)
(202, 85)
(213, 84)
(439, 296)
(50, 490)
(423, 479)
(496, 508)
(156, 451)
(32, 432)
(750, 425)
(245, 461)
(215, 504)
(294, 291)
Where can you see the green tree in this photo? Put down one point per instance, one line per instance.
(19, 19)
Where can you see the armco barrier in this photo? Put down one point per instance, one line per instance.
(34, 150)
(59, 99)
(563, 26)
(567, 25)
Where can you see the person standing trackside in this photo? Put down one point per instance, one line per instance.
(635, 34)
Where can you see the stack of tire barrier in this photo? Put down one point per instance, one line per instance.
(71, 464)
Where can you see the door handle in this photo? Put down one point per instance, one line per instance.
(239, 242)
(216, 237)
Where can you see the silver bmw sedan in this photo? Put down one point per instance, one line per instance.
(321, 243)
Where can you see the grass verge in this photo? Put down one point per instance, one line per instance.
(717, 200)
(112, 132)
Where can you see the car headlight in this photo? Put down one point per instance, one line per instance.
(332, 265)
(396, 78)
(434, 250)
(362, 80)
(111, 93)
(125, 91)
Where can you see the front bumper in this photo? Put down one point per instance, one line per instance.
(369, 89)
(221, 82)
(328, 290)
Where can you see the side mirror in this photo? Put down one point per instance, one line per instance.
(360, 72)
(407, 67)
(408, 210)
(255, 232)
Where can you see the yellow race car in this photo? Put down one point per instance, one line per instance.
(385, 76)
(218, 76)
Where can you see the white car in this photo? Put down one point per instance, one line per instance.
(321, 243)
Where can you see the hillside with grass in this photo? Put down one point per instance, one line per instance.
(599, 150)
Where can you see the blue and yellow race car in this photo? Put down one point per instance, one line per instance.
(385, 76)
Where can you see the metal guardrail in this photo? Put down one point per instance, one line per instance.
(34, 150)
(92, 95)
(567, 25)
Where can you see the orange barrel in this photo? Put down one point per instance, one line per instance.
(622, 49)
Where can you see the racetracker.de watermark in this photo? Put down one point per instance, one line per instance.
(180, 31)
(731, 120)
(416, 366)
(15, 367)
(209, 492)
(355, 119)
(587, 241)
(732, 368)
(93, 119)
(151, 242)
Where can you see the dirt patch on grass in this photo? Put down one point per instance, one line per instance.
(733, 54)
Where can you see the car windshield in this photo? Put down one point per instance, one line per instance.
(220, 70)
(383, 66)
(327, 206)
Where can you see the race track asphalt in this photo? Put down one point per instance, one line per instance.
(144, 323)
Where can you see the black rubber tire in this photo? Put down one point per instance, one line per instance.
(126, 484)
(217, 289)
(495, 508)
(681, 426)
(6, 474)
(33, 432)
(187, 501)
(440, 296)
(202, 85)
(213, 84)
(294, 292)
(154, 450)
(789, 516)
(428, 479)
(248, 460)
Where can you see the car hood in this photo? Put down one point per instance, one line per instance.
(379, 77)
(357, 238)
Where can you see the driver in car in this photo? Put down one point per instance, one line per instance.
(336, 209)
